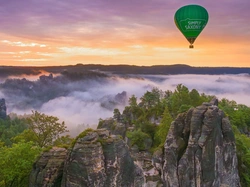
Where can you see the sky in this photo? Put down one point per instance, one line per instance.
(134, 32)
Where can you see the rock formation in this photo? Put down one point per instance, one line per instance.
(199, 151)
(3, 114)
(97, 159)
(101, 160)
(113, 126)
(48, 170)
(111, 102)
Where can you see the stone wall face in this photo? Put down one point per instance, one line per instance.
(208, 157)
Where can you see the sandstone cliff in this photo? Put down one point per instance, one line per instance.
(48, 170)
(3, 114)
(100, 159)
(199, 152)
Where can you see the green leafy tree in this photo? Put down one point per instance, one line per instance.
(43, 130)
(26, 136)
(151, 99)
(195, 98)
(138, 138)
(10, 128)
(179, 97)
(16, 164)
(63, 141)
(184, 108)
(239, 114)
(131, 112)
(116, 114)
(132, 101)
(243, 154)
(163, 128)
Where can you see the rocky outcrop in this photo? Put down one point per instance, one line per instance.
(48, 170)
(200, 150)
(100, 159)
(115, 127)
(111, 102)
(3, 114)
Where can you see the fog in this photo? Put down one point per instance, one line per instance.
(82, 103)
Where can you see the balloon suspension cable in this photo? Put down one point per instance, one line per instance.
(191, 46)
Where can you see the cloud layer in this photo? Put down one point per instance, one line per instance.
(85, 102)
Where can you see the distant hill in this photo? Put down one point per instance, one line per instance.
(123, 69)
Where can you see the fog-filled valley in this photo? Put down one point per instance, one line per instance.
(68, 120)
(82, 98)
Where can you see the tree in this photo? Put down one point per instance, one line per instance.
(163, 128)
(132, 101)
(63, 141)
(151, 99)
(139, 138)
(42, 129)
(195, 97)
(10, 128)
(179, 97)
(16, 163)
(117, 114)
(243, 155)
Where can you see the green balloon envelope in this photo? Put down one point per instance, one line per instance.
(191, 20)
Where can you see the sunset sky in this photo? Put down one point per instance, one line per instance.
(135, 32)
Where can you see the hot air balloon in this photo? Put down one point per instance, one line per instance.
(191, 20)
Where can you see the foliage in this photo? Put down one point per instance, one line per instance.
(243, 154)
(238, 114)
(184, 108)
(162, 129)
(16, 163)
(117, 114)
(156, 109)
(63, 141)
(43, 130)
(133, 101)
(138, 138)
(10, 128)
(182, 99)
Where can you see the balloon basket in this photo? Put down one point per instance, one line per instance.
(191, 46)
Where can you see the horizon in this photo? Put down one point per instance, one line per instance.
(35, 33)
(80, 64)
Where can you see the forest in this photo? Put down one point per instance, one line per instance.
(24, 138)
(6, 71)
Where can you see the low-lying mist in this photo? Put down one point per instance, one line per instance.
(82, 102)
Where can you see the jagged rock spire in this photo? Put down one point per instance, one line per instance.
(200, 149)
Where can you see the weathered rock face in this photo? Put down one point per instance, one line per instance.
(100, 159)
(48, 170)
(113, 126)
(200, 150)
(3, 114)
